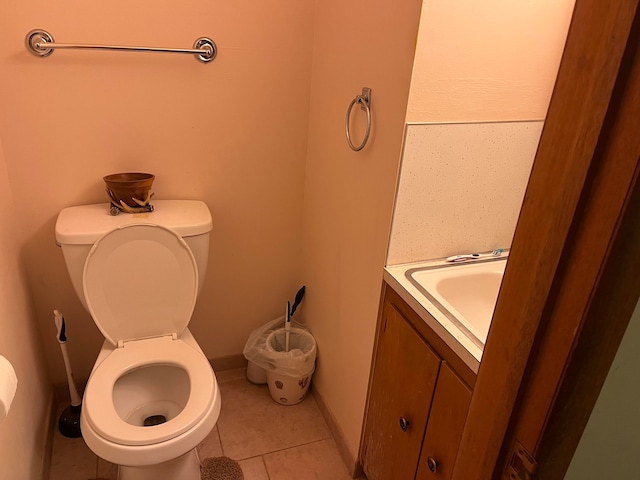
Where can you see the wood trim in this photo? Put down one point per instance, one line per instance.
(618, 287)
(588, 72)
(593, 352)
(579, 277)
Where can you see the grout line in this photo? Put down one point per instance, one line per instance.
(261, 457)
(220, 440)
(293, 446)
(265, 467)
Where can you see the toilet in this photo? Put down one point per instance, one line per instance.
(152, 395)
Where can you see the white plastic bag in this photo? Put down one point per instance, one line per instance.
(265, 348)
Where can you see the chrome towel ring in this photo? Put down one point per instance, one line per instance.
(365, 104)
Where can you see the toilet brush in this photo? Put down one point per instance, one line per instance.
(69, 422)
(290, 311)
(287, 327)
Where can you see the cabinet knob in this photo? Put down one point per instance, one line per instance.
(404, 424)
(432, 464)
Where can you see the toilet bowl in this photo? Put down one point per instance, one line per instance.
(152, 396)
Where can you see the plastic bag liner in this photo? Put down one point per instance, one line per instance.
(266, 348)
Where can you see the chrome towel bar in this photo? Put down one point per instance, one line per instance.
(365, 104)
(41, 43)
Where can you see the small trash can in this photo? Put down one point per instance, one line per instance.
(290, 378)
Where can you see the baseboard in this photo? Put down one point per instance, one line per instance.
(229, 362)
(353, 466)
(48, 443)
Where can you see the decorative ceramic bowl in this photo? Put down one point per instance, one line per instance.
(134, 189)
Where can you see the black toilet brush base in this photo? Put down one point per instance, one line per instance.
(69, 421)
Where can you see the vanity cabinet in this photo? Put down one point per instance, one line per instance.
(444, 430)
(419, 394)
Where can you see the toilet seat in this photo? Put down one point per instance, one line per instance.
(98, 406)
(140, 281)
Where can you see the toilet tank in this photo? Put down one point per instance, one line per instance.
(78, 228)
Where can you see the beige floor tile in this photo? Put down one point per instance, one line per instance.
(210, 446)
(229, 375)
(294, 440)
(254, 469)
(252, 424)
(107, 470)
(314, 461)
(71, 459)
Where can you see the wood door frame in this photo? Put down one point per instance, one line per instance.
(565, 257)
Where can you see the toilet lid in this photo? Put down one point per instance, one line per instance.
(140, 281)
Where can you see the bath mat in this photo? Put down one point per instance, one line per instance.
(220, 468)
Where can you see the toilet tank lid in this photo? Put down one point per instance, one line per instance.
(84, 224)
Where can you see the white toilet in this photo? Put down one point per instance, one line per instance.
(152, 396)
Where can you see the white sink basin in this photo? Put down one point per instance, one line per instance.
(466, 293)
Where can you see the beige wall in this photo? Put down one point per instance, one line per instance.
(348, 195)
(232, 133)
(23, 431)
(489, 60)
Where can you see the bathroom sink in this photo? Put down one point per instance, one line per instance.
(465, 293)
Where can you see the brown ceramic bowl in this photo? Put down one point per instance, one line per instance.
(127, 186)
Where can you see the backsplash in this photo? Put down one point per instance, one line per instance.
(461, 188)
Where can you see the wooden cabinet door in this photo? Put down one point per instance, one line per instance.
(446, 423)
(404, 378)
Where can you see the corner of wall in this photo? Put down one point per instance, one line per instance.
(24, 432)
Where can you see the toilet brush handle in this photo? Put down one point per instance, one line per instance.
(75, 397)
(61, 336)
(287, 326)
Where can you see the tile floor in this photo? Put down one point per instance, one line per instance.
(270, 441)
